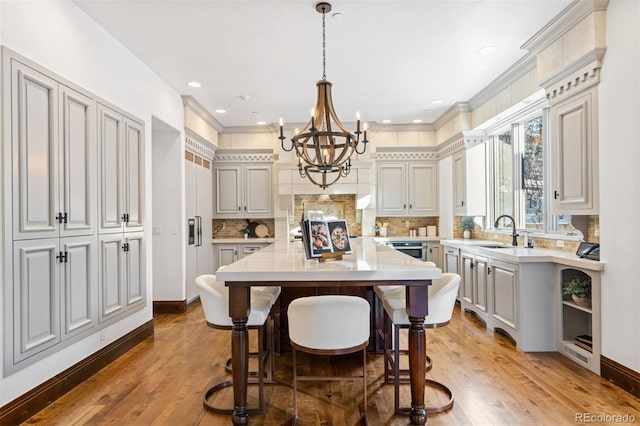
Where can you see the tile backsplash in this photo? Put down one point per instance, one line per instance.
(343, 206)
(233, 227)
(397, 226)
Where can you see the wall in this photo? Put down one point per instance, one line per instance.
(59, 36)
(167, 229)
(619, 135)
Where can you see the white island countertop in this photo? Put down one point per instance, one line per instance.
(286, 261)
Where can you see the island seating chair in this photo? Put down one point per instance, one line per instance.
(382, 291)
(442, 297)
(214, 298)
(329, 325)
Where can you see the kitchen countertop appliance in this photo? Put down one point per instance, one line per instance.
(417, 249)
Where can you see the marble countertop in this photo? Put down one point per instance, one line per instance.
(243, 240)
(523, 254)
(370, 261)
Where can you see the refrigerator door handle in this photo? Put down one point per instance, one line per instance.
(199, 231)
(191, 223)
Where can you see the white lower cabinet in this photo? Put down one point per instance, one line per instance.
(517, 299)
(474, 284)
(122, 281)
(434, 253)
(54, 292)
(226, 254)
(521, 303)
(450, 263)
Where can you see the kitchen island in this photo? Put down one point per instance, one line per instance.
(284, 264)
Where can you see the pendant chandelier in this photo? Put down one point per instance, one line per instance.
(324, 147)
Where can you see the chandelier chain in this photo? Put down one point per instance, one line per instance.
(324, 53)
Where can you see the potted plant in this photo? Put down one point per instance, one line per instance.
(246, 231)
(467, 226)
(580, 290)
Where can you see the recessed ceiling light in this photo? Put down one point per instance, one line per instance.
(486, 50)
(386, 121)
(261, 123)
(417, 120)
(221, 111)
(436, 101)
(194, 84)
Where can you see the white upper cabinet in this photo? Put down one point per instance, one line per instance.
(469, 179)
(242, 190)
(121, 144)
(574, 165)
(54, 157)
(407, 188)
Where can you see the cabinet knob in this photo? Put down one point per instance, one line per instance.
(239, 208)
(462, 203)
(489, 270)
(556, 194)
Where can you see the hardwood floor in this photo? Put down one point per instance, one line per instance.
(161, 381)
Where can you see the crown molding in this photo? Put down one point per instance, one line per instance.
(243, 155)
(562, 23)
(504, 80)
(405, 153)
(454, 110)
(452, 145)
(193, 105)
(574, 77)
(265, 129)
(198, 144)
(408, 127)
(472, 138)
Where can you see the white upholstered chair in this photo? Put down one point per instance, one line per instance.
(382, 291)
(442, 299)
(329, 325)
(214, 297)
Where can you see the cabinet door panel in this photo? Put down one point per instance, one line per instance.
(34, 124)
(133, 189)
(505, 288)
(423, 189)
(110, 134)
(574, 165)
(467, 277)
(79, 285)
(205, 210)
(226, 254)
(257, 189)
(134, 269)
(78, 162)
(480, 281)
(36, 297)
(459, 183)
(228, 202)
(111, 296)
(392, 181)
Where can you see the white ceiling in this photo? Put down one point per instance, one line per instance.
(386, 59)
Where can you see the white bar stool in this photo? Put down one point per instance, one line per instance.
(329, 325)
(214, 297)
(442, 299)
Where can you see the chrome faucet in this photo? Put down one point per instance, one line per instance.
(514, 234)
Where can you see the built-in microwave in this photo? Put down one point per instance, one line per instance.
(417, 249)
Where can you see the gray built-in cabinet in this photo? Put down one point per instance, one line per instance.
(243, 190)
(74, 184)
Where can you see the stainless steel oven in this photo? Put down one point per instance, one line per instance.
(417, 249)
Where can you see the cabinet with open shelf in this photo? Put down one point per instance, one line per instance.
(578, 334)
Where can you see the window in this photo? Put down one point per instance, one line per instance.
(517, 171)
(533, 174)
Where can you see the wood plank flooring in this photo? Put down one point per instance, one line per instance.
(160, 382)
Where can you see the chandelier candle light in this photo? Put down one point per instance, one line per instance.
(324, 147)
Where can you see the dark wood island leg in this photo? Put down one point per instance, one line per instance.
(417, 309)
(239, 309)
